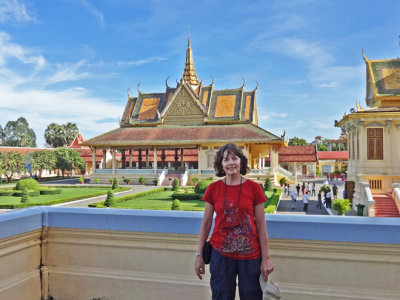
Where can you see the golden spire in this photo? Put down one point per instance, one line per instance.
(189, 75)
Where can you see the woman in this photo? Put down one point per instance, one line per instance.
(239, 239)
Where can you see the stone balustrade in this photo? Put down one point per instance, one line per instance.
(78, 253)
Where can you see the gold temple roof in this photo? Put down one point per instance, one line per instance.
(189, 74)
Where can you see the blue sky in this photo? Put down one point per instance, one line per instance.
(73, 60)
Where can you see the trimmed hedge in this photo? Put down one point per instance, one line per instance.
(30, 184)
(6, 192)
(50, 191)
(270, 205)
(31, 193)
(202, 186)
(126, 198)
(186, 196)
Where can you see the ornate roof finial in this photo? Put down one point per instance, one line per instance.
(362, 52)
(166, 82)
(212, 83)
(189, 74)
(255, 90)
(138, 88)
(244, 83)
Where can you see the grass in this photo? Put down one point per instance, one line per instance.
(160, 201)
(67, 194)
(273, 199)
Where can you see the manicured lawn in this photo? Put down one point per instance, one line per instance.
(67, 194)
(159, 201)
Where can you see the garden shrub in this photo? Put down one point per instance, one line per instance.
(50, 191)
(176, 205)
(30, 184)
(268, 184)
(186, 196)
(25, 196)
(115, 184)
(341, 206)
(202, 186)
(96, 181)
(31, 193)
(270, 209)
(282, 181)
(110, 200)
(6, 192)
(175, 184)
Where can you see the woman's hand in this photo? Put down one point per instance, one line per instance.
(199, 267)
(266, 267)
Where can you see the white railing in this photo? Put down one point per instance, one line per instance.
(285, 173)
(161, 177)
(396, 194)
(367, 199)
(134, 171)
(260, 171)
(185, 177)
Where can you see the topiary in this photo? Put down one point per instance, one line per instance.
(175, 184)
(115, 184)
(341, 206)
(268, 184)
(202, 186)
(176, 205)
(29, 184)
(25, 196)
(110, 200)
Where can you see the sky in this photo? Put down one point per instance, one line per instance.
(74, 60)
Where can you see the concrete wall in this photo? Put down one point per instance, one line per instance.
(131, 254)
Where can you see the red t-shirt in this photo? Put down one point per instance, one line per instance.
(241, 241)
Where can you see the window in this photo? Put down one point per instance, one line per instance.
(375, 143)
(210, 160)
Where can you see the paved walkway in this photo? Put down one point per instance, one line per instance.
(285, 205)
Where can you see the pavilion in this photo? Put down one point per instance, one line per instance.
(181, 129)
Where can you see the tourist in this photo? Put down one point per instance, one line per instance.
(328, 199)
(298, 189)
(305, 202)
(288, 190)
(331, 176)
(334, 191)
(319, 204)
(313, 189)
(337, 176)
(239, 239)
(293, 199)
(308, 189)
(344, 194)
(303, 188)
(285, 187)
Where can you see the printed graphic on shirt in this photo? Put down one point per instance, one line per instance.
(238, 239)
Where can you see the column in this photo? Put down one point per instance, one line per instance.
(263, 163)
(123, 158)
(295, 168)
(259, 160)
(155, 160)
(113, 161)
(140, 158)
(163, 158)
(176, 159)
(329, 147)
(94, 160)
(182, 164)
(104, 158)
(130, 158)
(147, 158)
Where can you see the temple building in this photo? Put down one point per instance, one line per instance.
(179, 131)
(373, 140)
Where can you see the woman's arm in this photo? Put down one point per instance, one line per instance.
(266, 265)
(204, 232)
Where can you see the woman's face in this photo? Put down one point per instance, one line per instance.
(231, 164)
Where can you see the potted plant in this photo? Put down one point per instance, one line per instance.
(282, 181)
(341, 206)
(82, 180)
(127, 180)
(195, 180)
(111, 180)
(142, 180)
(155, 181)
(96, 181)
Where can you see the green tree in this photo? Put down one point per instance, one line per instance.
(322, 147)
(110, 200)
(68, 159)
(268, 184)
(295, 141)
(12, 163)
(60, 135)
(18, 134)
(25, 195)
(43, 160)
(175, 184)
(115, 184)
(176, 205)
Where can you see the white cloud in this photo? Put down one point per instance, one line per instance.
(265, 116)
(8, 49)
(140, 61)
(92, 9)
(67, 72)
(13, 10)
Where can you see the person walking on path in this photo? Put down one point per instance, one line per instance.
(288, 190)
(328, 199)
(308, 188)
(293, 199)
(334, 191)
(313, 189)
(305, 201)
(344, 193)
(298, 189)
(319, 204)
(303, 188)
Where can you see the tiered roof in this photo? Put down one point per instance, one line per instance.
(332, 155)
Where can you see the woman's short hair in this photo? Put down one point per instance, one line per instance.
(230, 149)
